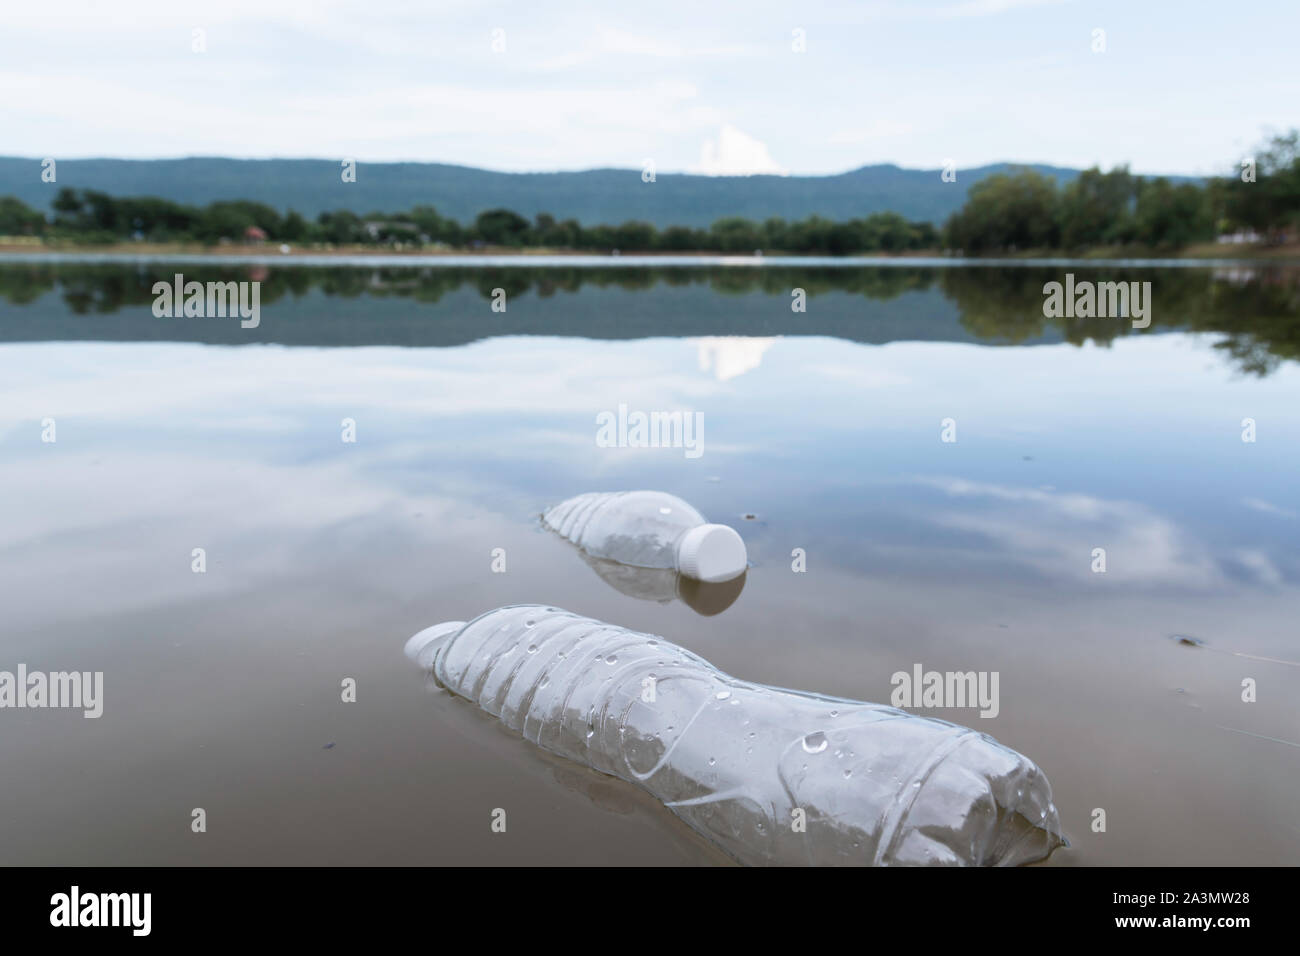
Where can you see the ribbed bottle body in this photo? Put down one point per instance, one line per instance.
(638, 528)
(770, 775)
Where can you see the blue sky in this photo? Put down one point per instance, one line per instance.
(1182, 87)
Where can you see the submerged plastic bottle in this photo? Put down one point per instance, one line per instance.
(650, 529)
(771, 776)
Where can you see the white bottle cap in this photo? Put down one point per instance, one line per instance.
(711, 552)
(424, 645)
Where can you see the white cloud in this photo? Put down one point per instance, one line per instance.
(1055, 532)
(217, 387)
(730, 356)
(987, 8)
(633, 44)
(330, 78)
(624, 43)
(1259, 564)
(881, 129)
(1257, 504)
(735, 153)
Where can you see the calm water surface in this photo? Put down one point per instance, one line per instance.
(821, 432)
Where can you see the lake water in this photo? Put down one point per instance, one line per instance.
(822, 431)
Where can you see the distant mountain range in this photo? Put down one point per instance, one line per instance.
(592, 196)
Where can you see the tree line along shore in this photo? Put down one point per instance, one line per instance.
(1003, 214)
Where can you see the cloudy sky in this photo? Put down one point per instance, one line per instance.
(1183, 86)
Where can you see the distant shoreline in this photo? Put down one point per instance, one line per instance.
(266, 253)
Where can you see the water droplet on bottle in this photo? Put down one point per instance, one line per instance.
(532, 648)
(847, 774)
(815, 742)
(529, 623)
(612, 659)
(722, 694)
(665, 511)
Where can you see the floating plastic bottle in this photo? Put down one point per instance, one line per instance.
(770, 776)
(650, 529)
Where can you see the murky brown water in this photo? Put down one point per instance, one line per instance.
(222, 689)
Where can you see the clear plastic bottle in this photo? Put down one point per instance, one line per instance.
(771, 776)
(650, 529)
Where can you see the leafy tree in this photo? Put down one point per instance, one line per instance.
(887, 231)
(19, 219)
(775, 234)
(1270, 204)
(230, 219)
(1097, 208)
(295, 228)
(429, 223)
(735, 234)
(923, 235)
(557, 235)
(1006, 212)
(1169, 216)
(598, 237)
(341, 227)
(681, 239)
(501, 227)
(811, 235)
(85, 211)
(635, 236)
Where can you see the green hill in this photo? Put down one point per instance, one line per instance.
(592, 197)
